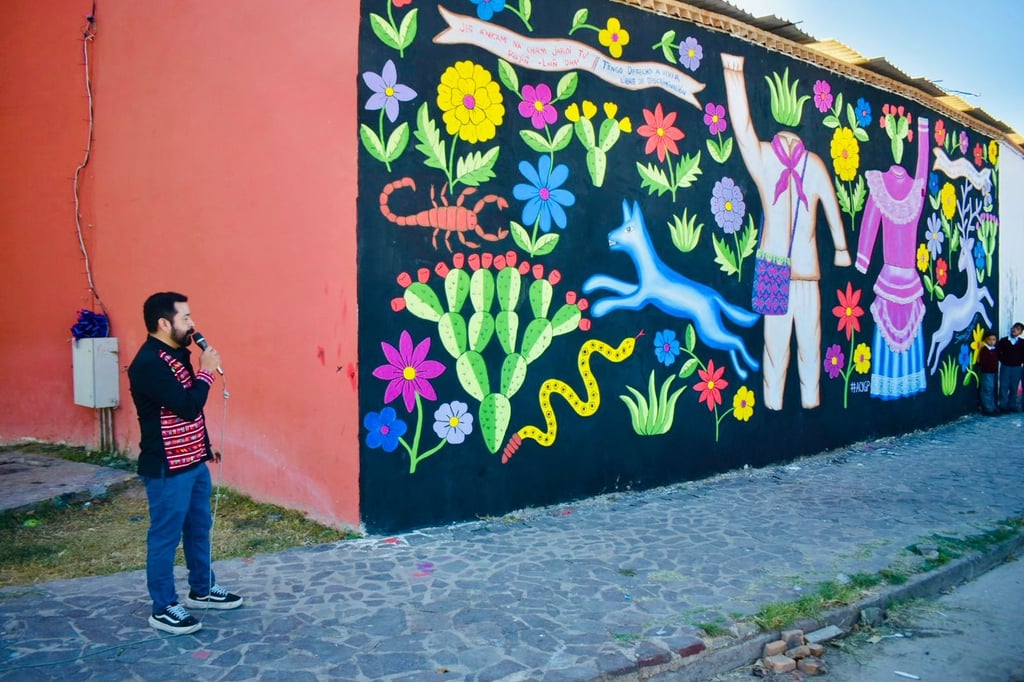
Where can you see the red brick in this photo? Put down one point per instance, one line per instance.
(780, 664)
(817, 649)
(793, 638)
(812, 666)
(802, 651)
(773, 648)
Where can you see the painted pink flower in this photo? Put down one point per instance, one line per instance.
(714, 118)
(823, 96)
(536, 106)
(408, 371)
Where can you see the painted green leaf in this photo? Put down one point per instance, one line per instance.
(397, 142)
(597, 163)
(506, 327)
(431, 145)
(580, 17)
(456, 288)
(476, 167)
(851, 117)
(685, 232)
(452, 330)
(541, 293)
(927, 281)
(691, 338)
(535, 141)
(481, 289)
(481, 329)
(843, 196)
(687, 170)
(861, 134)
(585, 131)
(748, 239)
(407, 30)
(830, 121)
(526, 9)
(638, 410)
(688, 368)
(513, 374)
(372, 143)
(562, 138)
(472, 372)
(839, 103)
(653, 179)
(520, 236)
(510, 284)
(567, 85)
(421, 301)
(508, 76)
(494, 416)
(383, 29)
(565, 319)
(546, 244)
(536, 339)
(713, 150)
(667, 47)
(940, 293)
(724, 256)
(860, 194)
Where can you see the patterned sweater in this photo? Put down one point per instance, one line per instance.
(169, 398)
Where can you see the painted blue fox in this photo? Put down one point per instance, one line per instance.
(669, 291)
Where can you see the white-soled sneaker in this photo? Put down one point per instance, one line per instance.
(219, 598)
(175, 620)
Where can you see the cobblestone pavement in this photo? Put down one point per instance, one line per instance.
(613, 586)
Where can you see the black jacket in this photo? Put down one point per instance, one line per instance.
(170, 413)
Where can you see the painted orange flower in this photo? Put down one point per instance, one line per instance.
(660, 132)
(711, 385)
(848, 311)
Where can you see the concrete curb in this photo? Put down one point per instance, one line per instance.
(718, 657)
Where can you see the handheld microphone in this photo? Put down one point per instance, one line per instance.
(203, 344)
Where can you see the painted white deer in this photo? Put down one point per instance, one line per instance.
(958, 312)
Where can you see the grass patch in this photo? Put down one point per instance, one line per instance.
(73, 453)
(108, 535)
(715, 628)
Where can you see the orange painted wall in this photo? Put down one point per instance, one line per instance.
(223, 167)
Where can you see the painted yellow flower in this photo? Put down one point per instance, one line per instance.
(993, 152)
(589, 109)
(572, 112)
(471, 101)
(610, 109)
(845, 154)
(977, 341)
(947, 195)
(614, 37)
(743, 404)
(922, 258)
(625, 125)
(862, 358)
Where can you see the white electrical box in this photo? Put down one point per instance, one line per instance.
(95, 363)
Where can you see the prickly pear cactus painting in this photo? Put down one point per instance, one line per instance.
(602, 248)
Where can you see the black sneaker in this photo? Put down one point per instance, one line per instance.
(219, 598)
(175, 620)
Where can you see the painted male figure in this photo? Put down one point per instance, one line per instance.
(175, 446)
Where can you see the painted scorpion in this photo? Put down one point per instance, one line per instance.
(458, 218)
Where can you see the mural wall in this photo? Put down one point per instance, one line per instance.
(601, 249)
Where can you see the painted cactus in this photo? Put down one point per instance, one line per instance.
(495, 289)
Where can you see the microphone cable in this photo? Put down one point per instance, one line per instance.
(219, 478)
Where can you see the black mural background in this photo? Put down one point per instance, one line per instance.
(602, 453)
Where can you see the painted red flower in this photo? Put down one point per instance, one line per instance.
(941, 271)
(711, 385)
(401, 3)
(940, 132)
(848, 311)
(979, 155)
(660, 132)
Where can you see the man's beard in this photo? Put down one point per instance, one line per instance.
(184, 339)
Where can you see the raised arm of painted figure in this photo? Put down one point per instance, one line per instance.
(739, 110)
(818, 177)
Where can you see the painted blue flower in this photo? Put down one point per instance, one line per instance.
(542, 196)
(486, 9)
(453, 422)
(387, 91)
(666, 346)
(934, 235)
(384, 429)
(965, 357)
(979, 255)
(933, 183)
(863, 112)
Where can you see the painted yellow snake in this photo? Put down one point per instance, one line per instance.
(584, 408)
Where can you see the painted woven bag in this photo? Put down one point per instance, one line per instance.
(771, 284)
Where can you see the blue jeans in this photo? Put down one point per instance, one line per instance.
(987, 392)
(179, 511)
(1009, 382)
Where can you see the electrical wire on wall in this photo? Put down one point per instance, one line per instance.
(88, 33)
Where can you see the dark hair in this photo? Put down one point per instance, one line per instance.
(1018, 325)
(161, 306)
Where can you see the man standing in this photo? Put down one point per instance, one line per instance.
(175, 446)
(1011, 360)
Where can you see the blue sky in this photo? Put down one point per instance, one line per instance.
(974, 46)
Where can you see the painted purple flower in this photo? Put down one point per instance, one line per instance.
(536, 106)
(384, 429)
(452, 422)
(408, 371)
(727, 205)
(964, 142)
(823, 96)
(387, 91)
(486, 9)
(933, 233)
(690, 53)
(714, 118)
(666, 346)
(835, 361)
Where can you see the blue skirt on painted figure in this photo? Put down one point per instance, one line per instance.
(897, 375)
